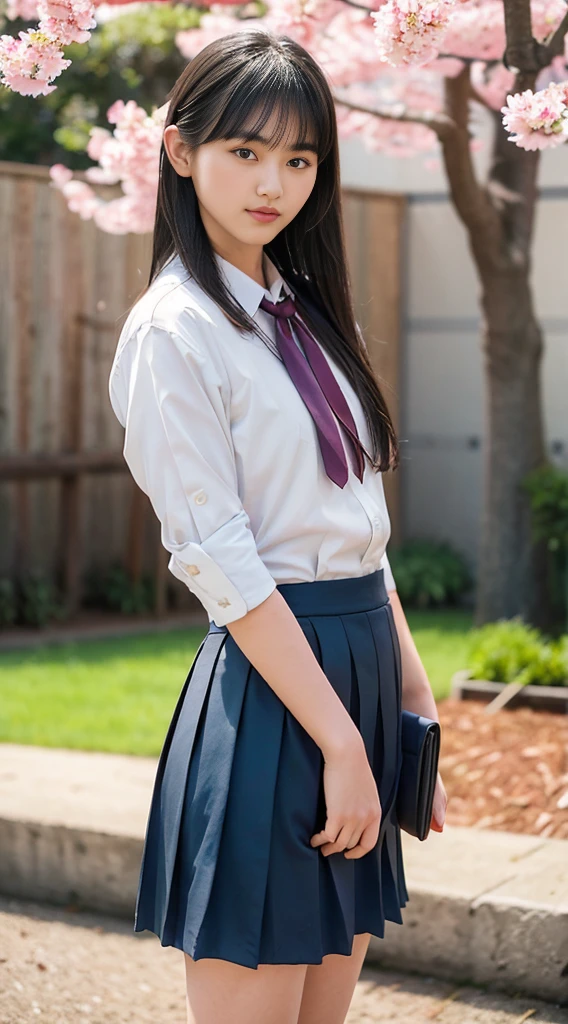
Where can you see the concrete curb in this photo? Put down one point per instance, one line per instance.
(545, 698)
(71, 866)
(485, 907)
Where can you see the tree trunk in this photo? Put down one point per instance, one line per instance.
(512, 572)
(512, 569)
(512, 575)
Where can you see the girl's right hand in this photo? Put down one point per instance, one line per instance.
(353, 808)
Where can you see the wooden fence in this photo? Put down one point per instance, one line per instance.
(67, 500)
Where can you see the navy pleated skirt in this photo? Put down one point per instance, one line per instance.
(227, 868)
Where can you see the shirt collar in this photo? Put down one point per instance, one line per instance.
(246, 290)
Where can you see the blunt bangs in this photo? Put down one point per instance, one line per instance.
(267, 89)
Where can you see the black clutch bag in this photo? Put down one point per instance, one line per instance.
(417, 780)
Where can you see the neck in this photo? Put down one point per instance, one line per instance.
(249, 259)
(254, 268)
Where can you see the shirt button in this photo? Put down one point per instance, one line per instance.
(200, 498)
(193, 570)
(224, 602)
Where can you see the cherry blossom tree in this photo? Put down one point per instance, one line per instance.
(410, 77)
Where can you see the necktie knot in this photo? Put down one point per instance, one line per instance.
(283, 309)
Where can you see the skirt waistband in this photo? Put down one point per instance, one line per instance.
(331, 597)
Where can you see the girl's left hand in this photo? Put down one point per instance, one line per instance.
(439, 806)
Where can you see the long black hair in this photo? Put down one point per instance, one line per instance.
(230, 89)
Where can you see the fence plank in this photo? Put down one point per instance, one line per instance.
(374, 227)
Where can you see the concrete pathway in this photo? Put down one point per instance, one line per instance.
(82, 968)
(485, 907)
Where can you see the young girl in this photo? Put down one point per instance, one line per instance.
(255, 424)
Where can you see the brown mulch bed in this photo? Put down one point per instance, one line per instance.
(505, 771)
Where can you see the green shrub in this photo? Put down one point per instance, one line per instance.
(111, 588)
(547, 487)
(8, 602)
(510, 651)
(33, 600)
(548, 490)
(38, 601)
(429, 573)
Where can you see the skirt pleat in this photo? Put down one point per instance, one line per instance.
(227, 869)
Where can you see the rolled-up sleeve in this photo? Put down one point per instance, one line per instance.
(389, 578)
(167, 393)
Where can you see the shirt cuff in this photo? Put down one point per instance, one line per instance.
(224, 571)
(388, 576)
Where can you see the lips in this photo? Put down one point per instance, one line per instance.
(264, 214)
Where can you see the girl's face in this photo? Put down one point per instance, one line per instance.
(233, 177)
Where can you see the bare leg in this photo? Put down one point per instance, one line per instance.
(329, 986)
(219, 991)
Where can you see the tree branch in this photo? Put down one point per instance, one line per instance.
(554, 46)
(513, 191)
(455, 56)
(475, 95)
(470, 200)
(440, 124)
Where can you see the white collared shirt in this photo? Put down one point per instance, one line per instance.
(220, 440)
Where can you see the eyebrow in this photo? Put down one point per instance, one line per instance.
(302, 145)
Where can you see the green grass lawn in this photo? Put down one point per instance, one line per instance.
(118, 695)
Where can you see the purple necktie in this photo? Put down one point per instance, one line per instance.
(319, 389)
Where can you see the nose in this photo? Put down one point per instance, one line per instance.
(271, 183)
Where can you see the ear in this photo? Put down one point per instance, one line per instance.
(177, 151)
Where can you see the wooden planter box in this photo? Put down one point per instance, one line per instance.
(542, 698)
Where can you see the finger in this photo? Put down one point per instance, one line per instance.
(318, 839)
(327, 835)
(436, 823)
(367, 842)
(354, 838)
(345, 834)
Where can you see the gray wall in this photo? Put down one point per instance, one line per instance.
(442, 396)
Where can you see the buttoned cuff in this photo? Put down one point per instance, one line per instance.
(224, 571)
(388, 576)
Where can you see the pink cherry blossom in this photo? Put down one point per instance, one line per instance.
(538, 120)
(492, 82)
(303, 20)
(477, 27)
(129, 156)
(97, 139)
(213, 25)
(24, 9)
(30, 62)
(411, 31)
(102, 176)
(347, 50)
(68, 21)
(60, 174)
